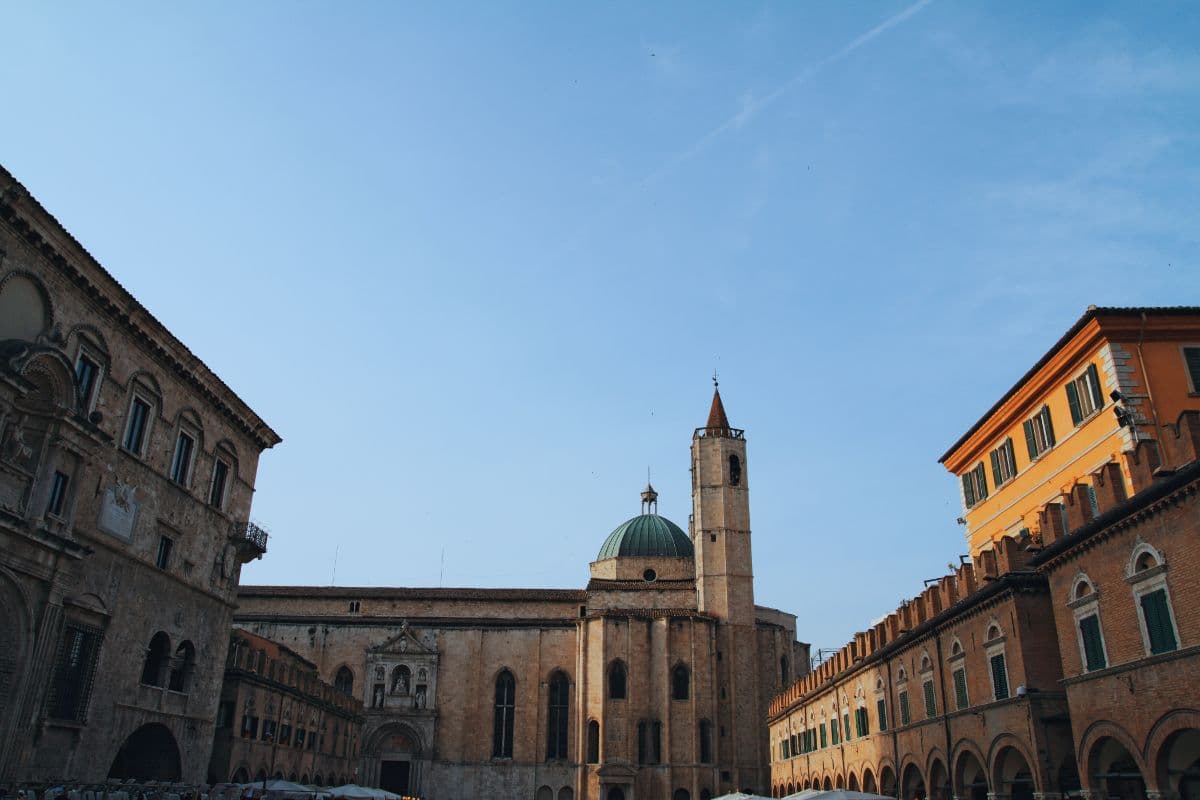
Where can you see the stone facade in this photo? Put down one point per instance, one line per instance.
(126, 474)
(278, 719)
(652, 682)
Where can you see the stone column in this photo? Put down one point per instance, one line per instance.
(999, 796)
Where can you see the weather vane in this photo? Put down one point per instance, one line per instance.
(715, 382)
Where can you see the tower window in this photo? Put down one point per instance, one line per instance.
(616, 681)
(680, 682)
(502, 729)
(735, 470)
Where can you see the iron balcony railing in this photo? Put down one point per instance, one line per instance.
(252, 534)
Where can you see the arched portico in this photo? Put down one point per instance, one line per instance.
(912, 783)
(1011, 774)
(149, 754)
(970, 776)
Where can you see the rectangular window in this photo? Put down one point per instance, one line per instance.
(1191, 360)
(1004, 464)
(225, 714)
(86, 373)
(881, 713)
(181, 464)
(1083, 395)
(960, 688)
(1093, 648)
(1158, 622)
(975, 488)
(999, 676)
(268, 734)
(824, 743)
(135, 432)
(862, 723)
(74, 672)
(285, 734)
(905, 718)
(835, 732)
(846, 726)
(58, 494)
(930, 704)
(216, 495)
(300, 734)
(163, 559)
(1039, 433)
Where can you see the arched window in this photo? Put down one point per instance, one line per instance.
(556, 734)
(994, 643)
(616, 793)
(680, 682)
(1147, 574)
(1084, 604)
(158, 654)
(593, 742)
(681, 794)
(706, 755)
(401, 679)
(735, 470)
(344, 681)
(616, 681)
(182, 667)
(502, 724)
(649, 741)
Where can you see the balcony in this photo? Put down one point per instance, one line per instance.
(250, 540)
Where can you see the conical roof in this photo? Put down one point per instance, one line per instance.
(716, 414)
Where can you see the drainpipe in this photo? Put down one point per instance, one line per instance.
(937, 640)
(1162, 451)
(887, 663)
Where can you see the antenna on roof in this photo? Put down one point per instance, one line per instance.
(333, 580)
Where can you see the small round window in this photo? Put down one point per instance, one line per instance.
(649, 575)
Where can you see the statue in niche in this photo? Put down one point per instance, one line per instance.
(419, 698)
(401, 677)
(377, 698)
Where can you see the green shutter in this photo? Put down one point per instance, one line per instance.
(997, 477)
(904, 716)
(1049, 425)
(822, 729)
(1093, 650)
(999, 676)
(968, 490)
(1011, 455)
(1030, 441)
(1191, 357)
(1158, 622)
(930, 704)
(981, 481)
(1093, 379)
(881, 710)
(960, 688)
(846, 722)
(1073, 402)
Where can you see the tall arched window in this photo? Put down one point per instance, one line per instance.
(706, 756)
(616, 681)
(783, 670)
(680, 682)
(158, 654)
(556, 734)
(735, 470)
(1147, 574)
(344, 681)
(649, 741)
(593, 742)
(181, 667)
(502, 724)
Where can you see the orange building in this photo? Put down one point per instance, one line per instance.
(1045, 452)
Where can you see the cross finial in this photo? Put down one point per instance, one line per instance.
(715, 381)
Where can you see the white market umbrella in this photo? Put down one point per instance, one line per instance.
(836, 794)
(279, 785)
(742, 796)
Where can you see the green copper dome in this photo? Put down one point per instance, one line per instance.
(647, 535)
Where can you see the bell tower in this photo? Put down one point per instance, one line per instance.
(720, 532)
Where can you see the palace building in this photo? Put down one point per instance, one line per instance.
(1062, 659)
(653, 681)
(126, 474)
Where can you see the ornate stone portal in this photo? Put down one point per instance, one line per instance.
(401, 710)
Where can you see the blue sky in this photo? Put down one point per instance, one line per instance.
(476, 262)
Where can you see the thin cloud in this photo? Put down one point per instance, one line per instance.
(751, 107)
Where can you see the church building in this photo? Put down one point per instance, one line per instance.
(654, 681)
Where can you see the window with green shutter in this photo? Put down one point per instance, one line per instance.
(881, 713)
(1004, 463)
(861, 721)
(999, 676)
(846, 724)
(1084, 396)
(1158, 622)
(822, 729)
(930, 704)
(975, 488)
(1039, 433)
(904, 717)
(960, 688)
(1093, 648)
(1191, 359)
(835, 731)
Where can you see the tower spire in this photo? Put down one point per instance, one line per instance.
(716, 414)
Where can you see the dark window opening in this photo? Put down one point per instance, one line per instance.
(182, 667)
(706, 756)
(344, 681)
(735, 470)
(162, 559)
(158, 654)
(616, 681)
(139, 415)
(502, 727)
(182, 462)
(649, 734)
(216, 495)
(556, 735)
(680, 682)
(649, 576)
(58, 494)
(86, 372)
(74, 672)
(593, 742)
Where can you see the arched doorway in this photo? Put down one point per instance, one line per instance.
(1113, 772)
(970, 778)
(828, 785)
(149, 754)
(913, 784)
(1178, 764)
(939, 781)
(887, 782)
(615, 793)
(852, 782)
(1011, 775)
(868, 782)
(840, 783)
(394, 755)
